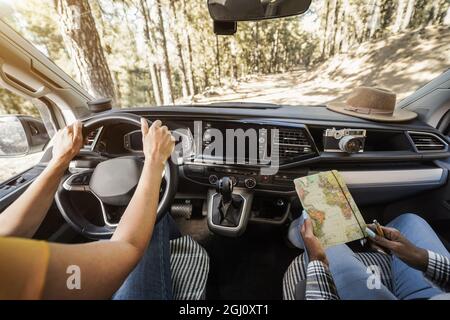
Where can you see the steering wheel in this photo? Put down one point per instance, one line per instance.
(112, 181)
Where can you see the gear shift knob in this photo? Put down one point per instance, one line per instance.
(225, 188)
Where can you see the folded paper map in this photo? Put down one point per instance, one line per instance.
(326, 199)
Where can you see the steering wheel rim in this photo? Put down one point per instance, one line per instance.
(79, 222)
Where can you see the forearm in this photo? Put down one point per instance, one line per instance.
(138, 220)
(103, 266)
(25, 215)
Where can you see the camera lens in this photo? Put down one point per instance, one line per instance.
(350, 144)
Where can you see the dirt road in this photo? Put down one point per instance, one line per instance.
(401, 63)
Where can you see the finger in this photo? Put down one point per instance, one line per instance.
(156, 125)
(69, 128)
(65, 132)
(371, 226)
(385, 229)
(308, 227)
(303, 229)
(390, 233)
(144, 126)
(77, 131)
(383, 242)
(165, 129)
(377, 248)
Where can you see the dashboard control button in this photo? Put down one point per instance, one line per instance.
(213, 179)
(250, 183)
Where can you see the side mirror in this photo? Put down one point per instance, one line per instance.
(249, 10)
(21, 135)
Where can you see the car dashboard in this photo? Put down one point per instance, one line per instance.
(397, 160)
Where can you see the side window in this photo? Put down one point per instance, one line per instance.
(23, 135)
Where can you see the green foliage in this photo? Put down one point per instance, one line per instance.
(264, 47)
(13, 104)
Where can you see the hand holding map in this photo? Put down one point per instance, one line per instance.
(331, 207)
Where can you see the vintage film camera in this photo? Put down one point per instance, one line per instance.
(344, 140)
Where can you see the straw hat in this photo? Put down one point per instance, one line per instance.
(373, 104)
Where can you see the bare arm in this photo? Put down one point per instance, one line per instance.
(136, 224)
(104, 265)
(25, 215)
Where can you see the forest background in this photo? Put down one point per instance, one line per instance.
(161, 52)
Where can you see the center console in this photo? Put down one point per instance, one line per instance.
(243, 178)
(228, 208)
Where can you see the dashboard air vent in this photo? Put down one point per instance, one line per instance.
(292, 143)
(424, 141)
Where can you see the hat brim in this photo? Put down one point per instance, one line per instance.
(399, 115)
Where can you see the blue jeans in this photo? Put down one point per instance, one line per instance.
(350, 274)
(151, 278)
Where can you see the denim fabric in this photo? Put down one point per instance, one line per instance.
(151, 278)
(350, 274)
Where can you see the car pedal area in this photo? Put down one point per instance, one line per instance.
(182, 210)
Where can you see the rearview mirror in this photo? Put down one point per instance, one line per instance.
(248, 10)
(21, 135)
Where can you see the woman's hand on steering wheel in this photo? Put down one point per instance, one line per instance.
(157, 141)
(67, 144)
(158, 145)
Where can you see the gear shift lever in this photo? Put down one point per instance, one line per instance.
(229, 209)
(225, 188)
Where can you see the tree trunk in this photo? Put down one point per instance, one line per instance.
(205, 76)
(218, 61)
(334, 23)
(83, 42)
(150, 53)
(178, 27)
(256, 52)
(117, 84)
(345, 26)
(325, 33)
(408, 14)
(189, 65)
(155, 84)
(357, 25)
(441, 12)
(337, 41)
(386, 13)
(375, 18)
(234, 63)
(274, 52)
(190, 68)
(165, 71)
(330, 28)
(399, 16)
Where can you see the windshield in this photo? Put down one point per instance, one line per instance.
(161, 52)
